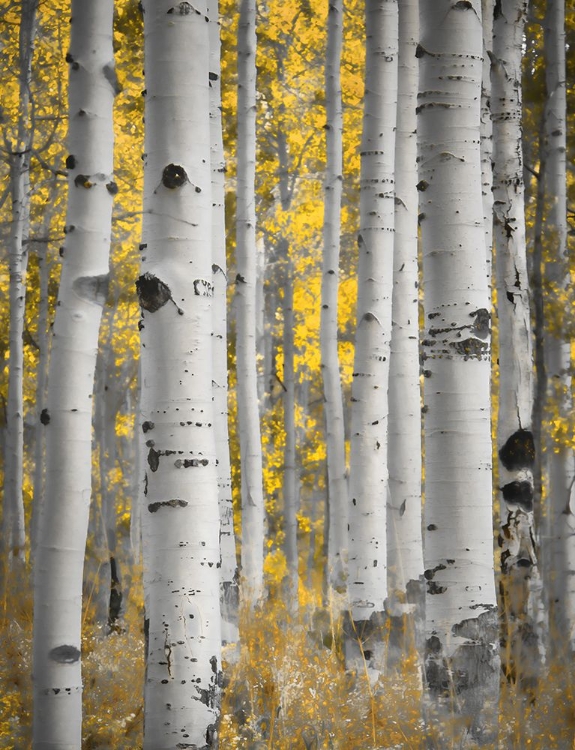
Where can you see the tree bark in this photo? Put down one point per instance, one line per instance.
(404, 540)
(229, 573)
(561, 557)
(253, 510)
(333, 402)
(180, 513)
(461, 661)
(369, 409)
(520, 583)
(68, 415)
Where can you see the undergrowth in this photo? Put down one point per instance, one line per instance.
(286, 688)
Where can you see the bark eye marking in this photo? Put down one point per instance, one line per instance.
(147, 426)
(92, 288)
(154, 507)
(82, 180)
(112, 187)
(203, 288)
(153, 459)
(174, 176)
(152, 292)
(65, 654)
(481, 324)
(70, 161)
(45, 416)
(519, 493)
(184, 9)
(519, 451)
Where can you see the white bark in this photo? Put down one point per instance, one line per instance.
(333, 402)
(369, 409)
(487, 132)
(290, 483)
(561, 493)
(14, 535)
(404, 540)
(229, 567)
(68, 416)
(180, 513)
(253, 510)
(519, 569)
(462, 668)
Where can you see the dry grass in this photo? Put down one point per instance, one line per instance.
(287, 689)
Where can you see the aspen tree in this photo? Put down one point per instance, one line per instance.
(404, 542)
(14, 535)
(180, 513)
(561, 466)
(67, 418)
(367, 582)
(290, 483)
(461, 660)
(519, 571)
(333, 402)
(229, 569)
(487, 132)
(253, 510)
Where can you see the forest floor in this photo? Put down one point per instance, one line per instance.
(287, 689)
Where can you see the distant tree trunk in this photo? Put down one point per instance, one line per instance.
(253, 510)
(561, 557)
(367, 582)
(43, 339)
(290, 480)
(404, 541)
(180, 513)
(14, 534)
(68, 415)
(462, 661)
(519, 570)
(333, 402)
(229, 573)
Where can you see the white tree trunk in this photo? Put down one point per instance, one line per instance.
(462, 665)
(487, 132)
(253, 510)
(180, 513)
(519, 571)
(561, 556)
(404, 540)
(290, 479)
(333, 402)
(229, 570)
(68, 416)
(14, 534)
(369, 409)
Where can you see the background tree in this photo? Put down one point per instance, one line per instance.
(369, 409)
(253, 511)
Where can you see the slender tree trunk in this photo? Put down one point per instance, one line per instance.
(333, 402)
(253, 510)
(290, 480)
(404, 541)
(487, 132)
(557, 343)
(461, 663)
(369, 414)
(14, 534)
(68, 415)
(229, 573)
(43, 338)
(520, 584)
(180, 513)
